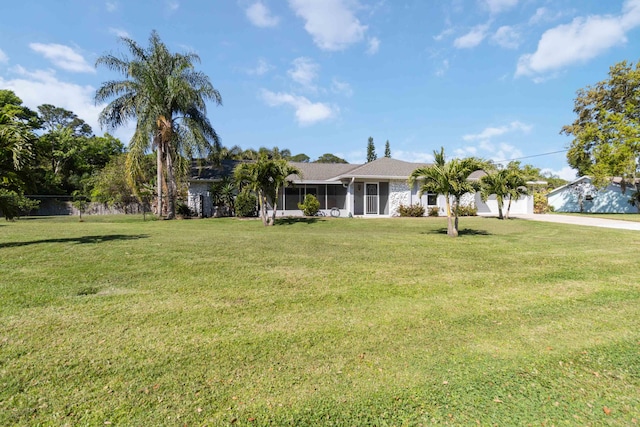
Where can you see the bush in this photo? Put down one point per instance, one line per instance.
(434, 211)
(467, 210)
(411, 210)
(310, 206)
(183, 210)
(246, 204)
(540, 203)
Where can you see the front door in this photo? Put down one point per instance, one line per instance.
(371, 198)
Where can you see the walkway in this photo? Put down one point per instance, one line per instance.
(582, 220)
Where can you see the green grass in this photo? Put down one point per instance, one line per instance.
(317, 322)
(622, 217)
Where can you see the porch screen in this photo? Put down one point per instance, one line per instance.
(336, 196)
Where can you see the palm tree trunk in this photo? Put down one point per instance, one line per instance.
(452, 217)
(508, 208)
(171, 188)
(160, 176)
(500, 203)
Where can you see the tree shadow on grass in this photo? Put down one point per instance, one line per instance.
(292, 220)
(78, 240)
(463, 232)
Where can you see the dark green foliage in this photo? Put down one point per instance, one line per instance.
(330, 158)
(371, 151)
(246, 204)
(310, 206)
(416, 210)
(387, 149)
(183, 210)
(13, 204)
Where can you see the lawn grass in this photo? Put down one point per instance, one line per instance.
(621, 217)
(317, 322)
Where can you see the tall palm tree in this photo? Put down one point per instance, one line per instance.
(449, 179)
(167, 96)
(266, 177)
(517, 187)
(495, 183)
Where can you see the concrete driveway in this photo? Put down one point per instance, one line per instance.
(582, 220)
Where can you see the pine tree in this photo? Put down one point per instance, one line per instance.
(371, 151)
(387, 149)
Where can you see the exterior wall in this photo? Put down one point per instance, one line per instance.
(607, 200)
(522, 206)
(199, 199)
(399, 194)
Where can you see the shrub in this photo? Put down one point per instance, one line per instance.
(411, 210)
(540, 202)
(310, 206)
(183, 210)
(467, 210)
(434, 211)
(246, 204)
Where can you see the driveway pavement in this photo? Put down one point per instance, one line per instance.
(583, 220)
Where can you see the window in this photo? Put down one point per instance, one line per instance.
(432, 199)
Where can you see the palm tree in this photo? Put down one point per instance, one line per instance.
(16, 149)
(266, 177)
(167, 96)
(516, 186)
(449, 179)
(495, 183)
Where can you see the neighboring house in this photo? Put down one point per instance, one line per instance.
(377, 188)
(610, 199)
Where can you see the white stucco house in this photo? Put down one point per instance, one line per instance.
(610, 199)
(377, 188)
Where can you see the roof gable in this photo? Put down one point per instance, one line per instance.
(384, 167)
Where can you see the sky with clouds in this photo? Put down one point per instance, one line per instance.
(489, 78)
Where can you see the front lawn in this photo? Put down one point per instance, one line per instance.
(116, 321)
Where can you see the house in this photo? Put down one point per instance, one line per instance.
(610, 199)
(377, 188)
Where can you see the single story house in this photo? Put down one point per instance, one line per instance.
(376, 188)
(610, 199)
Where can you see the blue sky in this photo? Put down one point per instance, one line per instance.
(490, 78)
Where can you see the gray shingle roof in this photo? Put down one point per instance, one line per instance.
(384, 167)
(321, 171)
(203, 170)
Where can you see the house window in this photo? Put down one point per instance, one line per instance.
(432, 199)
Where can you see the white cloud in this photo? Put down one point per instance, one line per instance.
(304, 72)
(497, 6)
(172, 5)
(579, 41)
(119, 32)
(374, 46)
(444, 34)
(444, 67)
(3, 57)
(566, 173)
(111, 6)
(307, 112)
(262, 68)
(473, 38)
(507, 37)
(43, 87)
(492, 132)
(342, 88)
(260, 16)
(412, 156)
(63, 57)
(331, 23)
